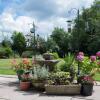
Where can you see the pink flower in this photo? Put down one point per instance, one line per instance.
(80, 58)
(93, 58)
(14, 62)
(98, 54)
(81, 53)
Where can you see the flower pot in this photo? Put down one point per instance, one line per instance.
(87, 89)
(39, 85)
(63, 89)
(24, 86)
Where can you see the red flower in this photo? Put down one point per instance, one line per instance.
(25, 61)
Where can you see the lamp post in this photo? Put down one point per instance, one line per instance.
(78, 31)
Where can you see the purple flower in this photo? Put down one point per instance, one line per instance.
(93, 58)
(80, 58)
(98, 54)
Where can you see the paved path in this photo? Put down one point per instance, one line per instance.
(9, 90)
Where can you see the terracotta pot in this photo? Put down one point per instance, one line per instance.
(24, 86)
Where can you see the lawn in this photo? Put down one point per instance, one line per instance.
(5, 68)
(97, 77)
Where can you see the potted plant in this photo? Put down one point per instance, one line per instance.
(87, 85)
(25, 82)
(21, 67)
(59, 83)
(40, 75)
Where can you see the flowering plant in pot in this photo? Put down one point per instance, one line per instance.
(86, 65)
(21, 67)
(25, 82)
(87, 85)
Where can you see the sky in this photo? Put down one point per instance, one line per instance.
(18, 15)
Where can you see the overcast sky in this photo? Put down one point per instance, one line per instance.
(47, 14)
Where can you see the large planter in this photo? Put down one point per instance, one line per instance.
(38, 84)
(63, 89)
(24, 86)
(87, 89)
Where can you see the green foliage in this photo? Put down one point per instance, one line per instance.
(6, 43)
(19, 43)
(69, 59)
(5, 52)
(86, 66)
(60, 65)
(61, 38)
(8, 51)
(27, 54)
(40, 73)
(51, 45)
(59, 78)
(85, 37)
(55, 55)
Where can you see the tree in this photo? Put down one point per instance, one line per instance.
(86, 36)
(61, 38)
(51, 45)
(19, 43)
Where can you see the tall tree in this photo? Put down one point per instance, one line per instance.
(19, 43)
(86, 36)
(61, 38)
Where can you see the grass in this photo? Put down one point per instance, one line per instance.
(7, 62)
(5, 66)
(7, 72)
(97, 77)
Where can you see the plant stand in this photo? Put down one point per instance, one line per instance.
(63, 89)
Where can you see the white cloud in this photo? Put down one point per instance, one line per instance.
(47, 15)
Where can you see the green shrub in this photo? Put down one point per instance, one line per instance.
(27, 54)
(59, 78)
(55, 55)
(60, 65)
(5, 52)
(8, 51)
